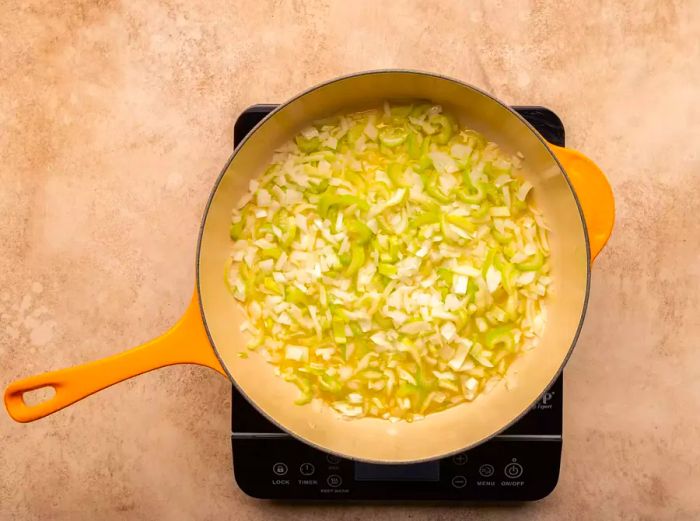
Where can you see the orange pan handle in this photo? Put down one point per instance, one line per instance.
(185, 343)
(594, 193)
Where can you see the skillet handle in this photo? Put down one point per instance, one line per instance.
(594, 193)
(185, 343)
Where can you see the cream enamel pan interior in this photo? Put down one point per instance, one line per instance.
(209, 334)
(459, 427)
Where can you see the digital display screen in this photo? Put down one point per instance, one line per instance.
(428, 471)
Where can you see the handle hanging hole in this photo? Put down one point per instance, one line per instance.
(37, 396)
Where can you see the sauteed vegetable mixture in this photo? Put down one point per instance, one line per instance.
(390, 263)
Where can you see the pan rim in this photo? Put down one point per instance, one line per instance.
(280, 107)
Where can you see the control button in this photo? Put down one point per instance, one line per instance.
(513, 470)
(307, 469)
(486, 470)
(459, 482)
(459, 459)
(279, 468)
(333, 460)
(334, 480)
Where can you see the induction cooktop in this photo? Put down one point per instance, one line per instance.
(520, 464)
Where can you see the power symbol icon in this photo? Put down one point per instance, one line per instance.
(513, 470)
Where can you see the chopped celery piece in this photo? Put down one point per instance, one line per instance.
(446, 276)
(359, 232)
(395, 173)
(425, 218)
(488, 261)
(394, 246)
(339, 331)
(420, 110)
(384, 224)
(320, 187)
(289, 235)
(502, 238)
(263, 229)
(500, 335)
(393, 136)
(295, 295)
(424, 162)
(471, 195)
(508, 272)
(273, 286)
(330, 384)
(533, 263)
(306, 394)
(356, 180)
(237, 230)
(357, 260)
(383, 322)
(413, 145)
(328, 201)
(446, 128)
(463, 222)
(355, 132)
(430, 185)
(270, 253)
(388, 270)
(308, 145)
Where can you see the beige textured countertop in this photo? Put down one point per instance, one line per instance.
(115, 118)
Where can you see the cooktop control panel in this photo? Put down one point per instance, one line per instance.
(514, 466)
(520, 464)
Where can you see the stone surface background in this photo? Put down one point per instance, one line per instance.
(115, 119)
